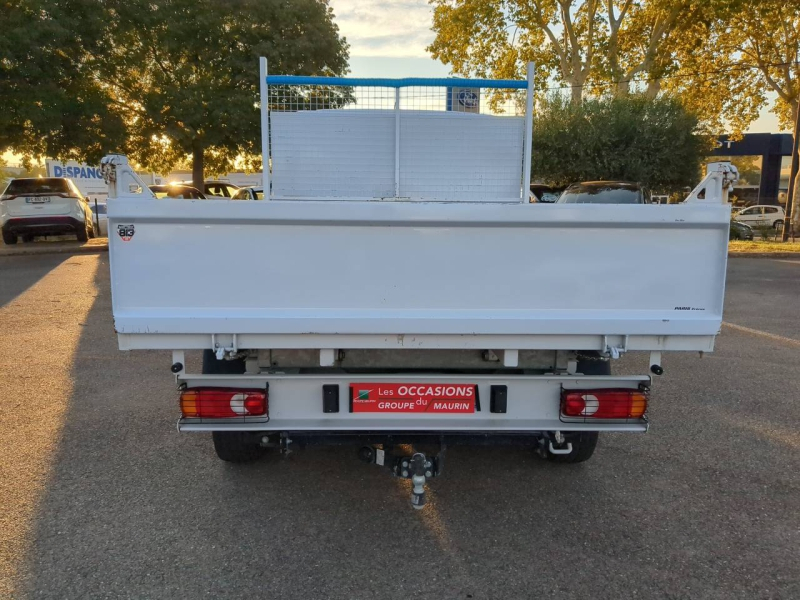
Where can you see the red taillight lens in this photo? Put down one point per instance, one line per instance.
(221, 403)
(603, 404)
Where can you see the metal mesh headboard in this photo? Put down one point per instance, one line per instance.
(445, 140)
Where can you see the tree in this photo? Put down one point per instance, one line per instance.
(748, 48)
(179, 77)
(52, 105)
(585, 44)
(185, 72)
(720, 57)
(635, 138)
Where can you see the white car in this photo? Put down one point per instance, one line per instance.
(762, 214)
(44, 206)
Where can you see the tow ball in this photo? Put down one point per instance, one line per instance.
(418, 467)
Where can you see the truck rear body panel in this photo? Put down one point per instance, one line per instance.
(524, 275)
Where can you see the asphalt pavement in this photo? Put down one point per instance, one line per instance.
(58, 245)
(102, 498)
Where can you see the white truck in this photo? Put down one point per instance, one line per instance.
(396, 289)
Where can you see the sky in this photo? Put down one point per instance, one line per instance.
(388, 38)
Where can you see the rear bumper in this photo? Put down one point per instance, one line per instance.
(41, 225)
(296, 406)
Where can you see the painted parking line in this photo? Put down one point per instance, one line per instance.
(765, 334)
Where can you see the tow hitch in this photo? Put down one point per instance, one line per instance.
(418, 467)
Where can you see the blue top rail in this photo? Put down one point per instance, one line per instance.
(515, 84)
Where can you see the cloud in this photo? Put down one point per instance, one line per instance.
(393, 28)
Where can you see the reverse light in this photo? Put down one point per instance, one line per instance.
(604, 404)
(222, 403)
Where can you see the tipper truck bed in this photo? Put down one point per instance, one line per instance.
(396, 286)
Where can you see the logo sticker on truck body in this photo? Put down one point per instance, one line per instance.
(413, 397)
(126, 232)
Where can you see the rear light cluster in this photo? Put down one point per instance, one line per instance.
(222, 403)
(603, 404)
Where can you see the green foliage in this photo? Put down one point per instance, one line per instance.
(653, 142)
(186, 70)
(720, 57)
(4, 175)
(51, 103)
(156, 80)
(765, 231)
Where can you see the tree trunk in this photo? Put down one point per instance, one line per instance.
(792, 212)
(197, 164)
(794, 216)
(577, 91)
(653, 88)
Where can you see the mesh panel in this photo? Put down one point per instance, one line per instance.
(433, 143)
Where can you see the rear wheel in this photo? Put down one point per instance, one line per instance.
(583, 445)
(9, 238)
(583, 442)
(83, 234)
(212, 366)
(591, 363)
(236, 446)
(778, 224)
(231, 446)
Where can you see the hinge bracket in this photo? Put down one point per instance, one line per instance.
(614, 351)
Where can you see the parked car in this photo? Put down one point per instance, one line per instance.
(545, 193)
(740, 231)
(214, 188)
(605, 192)
(762, 214)
(250, 193)
(100, 217)
(44, 206)
(177, 190)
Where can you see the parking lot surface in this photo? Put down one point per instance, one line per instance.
(103, 499)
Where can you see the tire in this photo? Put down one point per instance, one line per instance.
(592, 365)
(583, 442)
(236, 446)
(212, 366)
(777, 224)
(583, 445)
(83, 234)
(231, 446)
(9, 238)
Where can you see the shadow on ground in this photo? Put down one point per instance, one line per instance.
(22, 272)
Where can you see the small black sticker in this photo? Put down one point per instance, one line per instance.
(126, 232)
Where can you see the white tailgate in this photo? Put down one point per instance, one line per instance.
(366, 268)
(40, 206)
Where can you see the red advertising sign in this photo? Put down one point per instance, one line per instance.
(413, 397)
